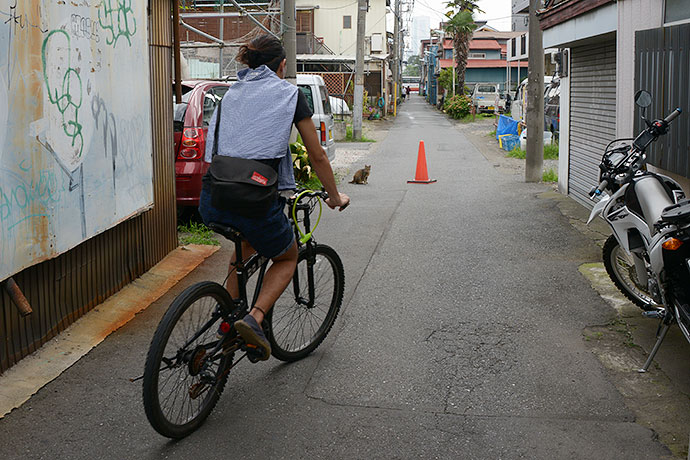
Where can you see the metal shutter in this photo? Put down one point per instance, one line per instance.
(592, 113)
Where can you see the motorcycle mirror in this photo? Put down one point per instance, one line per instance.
(643, 99)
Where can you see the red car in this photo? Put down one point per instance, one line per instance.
(190, 124)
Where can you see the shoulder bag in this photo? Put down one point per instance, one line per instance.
(239, 185)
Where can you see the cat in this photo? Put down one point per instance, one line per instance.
(361, 176)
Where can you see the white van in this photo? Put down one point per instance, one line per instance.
(484, 97)
(315, 90)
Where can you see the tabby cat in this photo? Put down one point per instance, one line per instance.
(361, 176)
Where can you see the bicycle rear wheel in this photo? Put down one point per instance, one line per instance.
(302, 317)
(183, 376)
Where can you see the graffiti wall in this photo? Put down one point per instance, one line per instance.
(75, 123)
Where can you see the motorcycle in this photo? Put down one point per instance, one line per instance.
(648, 254)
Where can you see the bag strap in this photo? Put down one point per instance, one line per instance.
(215, 132)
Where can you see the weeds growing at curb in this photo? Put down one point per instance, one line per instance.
(196, 233)
(348, 136)
(550, 152)
(549, 176)
(518, 153)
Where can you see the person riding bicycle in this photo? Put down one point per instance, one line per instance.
(257, 114)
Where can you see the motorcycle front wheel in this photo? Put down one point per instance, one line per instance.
(621, 269)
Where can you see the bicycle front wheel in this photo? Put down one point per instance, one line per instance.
(185, 372)
(304, 314)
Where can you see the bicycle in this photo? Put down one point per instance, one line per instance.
(194, 346)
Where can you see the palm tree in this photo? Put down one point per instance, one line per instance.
(461, 26)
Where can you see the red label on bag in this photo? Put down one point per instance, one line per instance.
(256, 177)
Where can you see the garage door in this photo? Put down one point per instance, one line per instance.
(592, 113)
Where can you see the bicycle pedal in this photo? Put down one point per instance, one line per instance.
(254, 353)
(655, 314)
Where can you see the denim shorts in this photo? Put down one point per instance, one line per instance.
(270, 235)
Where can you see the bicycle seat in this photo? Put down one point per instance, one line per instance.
(227, 231)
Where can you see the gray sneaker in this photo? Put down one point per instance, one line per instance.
(253, 335)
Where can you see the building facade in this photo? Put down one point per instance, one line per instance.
(602, 43)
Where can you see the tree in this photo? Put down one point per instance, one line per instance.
(461, 26)
(445, 79)
(413, 66)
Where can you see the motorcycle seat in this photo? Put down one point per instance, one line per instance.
(679, 212)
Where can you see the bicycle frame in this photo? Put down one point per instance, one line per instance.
(245, 269)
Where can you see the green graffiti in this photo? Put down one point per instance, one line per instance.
(118, 20)
(68, 97)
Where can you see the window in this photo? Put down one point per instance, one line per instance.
(305, 21)
(347, 22)
(512, 46)
(325, 100)
(523, 45)
(310, 98)
(447, 54)
(677, 10)
(476, 56)
(211, 99)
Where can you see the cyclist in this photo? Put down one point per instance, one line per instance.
(257, 116)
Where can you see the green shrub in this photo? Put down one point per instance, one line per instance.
(304, 174)
(300, 163)
(549, 176)
(458, 106)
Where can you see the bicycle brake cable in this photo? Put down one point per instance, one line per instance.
(305, 237)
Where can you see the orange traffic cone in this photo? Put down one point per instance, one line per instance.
(421, 176)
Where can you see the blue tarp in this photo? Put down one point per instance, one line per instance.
(506, 125)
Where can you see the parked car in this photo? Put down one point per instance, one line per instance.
(315, 90)
(552, 117)
(484, 97)
(190, 127)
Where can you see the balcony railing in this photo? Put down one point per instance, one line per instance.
(308, 43)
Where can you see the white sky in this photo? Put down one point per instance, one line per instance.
(497, 12)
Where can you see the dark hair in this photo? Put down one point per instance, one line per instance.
(264, 49)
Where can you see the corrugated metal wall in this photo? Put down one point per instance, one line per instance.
(592, 113)
(63, 289)
(662, 67)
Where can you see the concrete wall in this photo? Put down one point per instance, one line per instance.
(328, 23)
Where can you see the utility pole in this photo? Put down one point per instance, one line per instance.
(290, 40)
(535, 99)
(359, 70)
(396, 50)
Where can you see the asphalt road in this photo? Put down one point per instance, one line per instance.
(460, 338)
